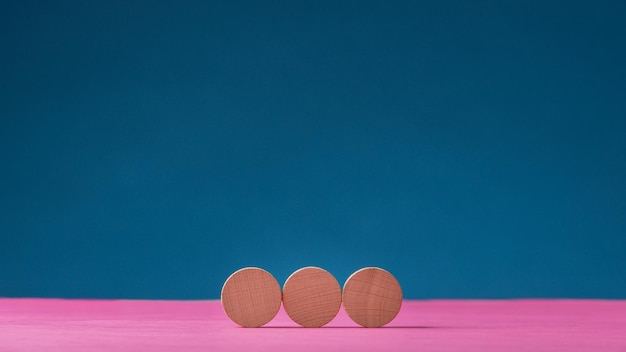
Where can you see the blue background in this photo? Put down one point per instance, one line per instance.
(474, 149)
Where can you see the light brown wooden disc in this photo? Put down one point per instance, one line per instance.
(251, 297)
(311, 297)
(372, 297)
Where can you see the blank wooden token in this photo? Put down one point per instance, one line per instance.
(372, 297)
(311, 297)
(251, 297)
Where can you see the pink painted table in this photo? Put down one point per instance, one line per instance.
(514, 325)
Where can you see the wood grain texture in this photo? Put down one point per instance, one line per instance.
(311, 297)
(251, 297)
(372, 297)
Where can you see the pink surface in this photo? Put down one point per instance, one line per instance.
(517, 325)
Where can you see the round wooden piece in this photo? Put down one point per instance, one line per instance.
(251, 297)
(372, 297)
(311, 297)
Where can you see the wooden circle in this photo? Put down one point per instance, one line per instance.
(311, 297)
(372, 297)
(251, 297)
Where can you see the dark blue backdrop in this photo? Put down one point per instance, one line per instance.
(474, 149)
